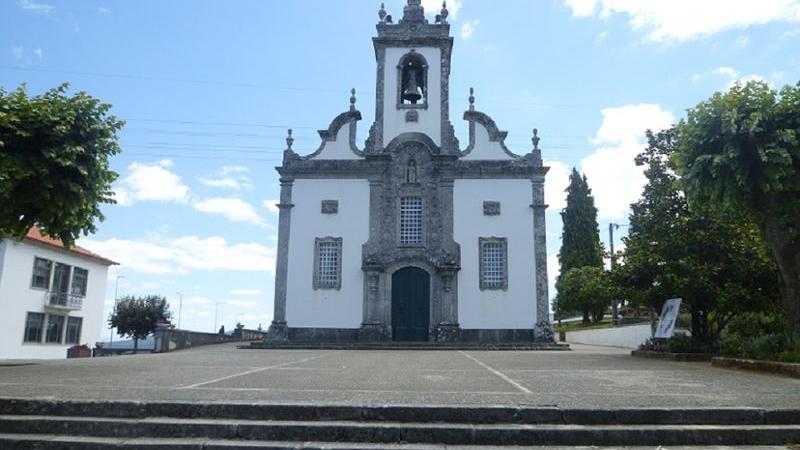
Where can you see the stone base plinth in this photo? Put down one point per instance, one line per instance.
(373, 332)
(278, 331)
(448, 332)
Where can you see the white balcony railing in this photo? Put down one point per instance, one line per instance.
(63, 300)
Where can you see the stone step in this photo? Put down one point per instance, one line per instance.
(50, 442)
(397, 413)
(397, 432)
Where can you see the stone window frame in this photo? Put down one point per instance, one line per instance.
(316, 283)
(426, 68)
(493, 240)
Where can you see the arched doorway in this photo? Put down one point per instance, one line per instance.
(410, 304)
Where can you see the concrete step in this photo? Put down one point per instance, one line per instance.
(48, 442)
(402, 414)
(397, 432)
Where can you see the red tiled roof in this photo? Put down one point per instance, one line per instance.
(35, 235)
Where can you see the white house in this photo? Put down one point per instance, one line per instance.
(51, 297)
(414, 237)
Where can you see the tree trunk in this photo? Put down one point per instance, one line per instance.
(586, 315)
(785, 249)
(136, 345)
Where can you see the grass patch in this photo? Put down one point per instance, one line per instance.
(578, 326)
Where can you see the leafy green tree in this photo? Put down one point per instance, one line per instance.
(741, 149)
(54, 162)
(138, 317)
(587, 288)
(712, 258)
(580, 237)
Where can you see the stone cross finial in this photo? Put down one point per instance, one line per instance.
(471, 99)
(535, 139)
(353, 99)
(444, 13)
(289, 140)
(382, 13)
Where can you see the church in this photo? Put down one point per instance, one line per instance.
(414, 237)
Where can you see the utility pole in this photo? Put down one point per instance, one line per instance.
(614, 304)
(180, 308)
(110, 328)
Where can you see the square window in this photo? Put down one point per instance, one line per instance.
(80, 278)
(55, 329)
(328, 263)
(33, 327)
(493, 263)
(41, 273)
(74, 325)
(410, 221)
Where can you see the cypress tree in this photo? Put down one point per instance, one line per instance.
(580, 237)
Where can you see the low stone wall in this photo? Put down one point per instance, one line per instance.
(788, 369)
(171, 340)
(629, 336)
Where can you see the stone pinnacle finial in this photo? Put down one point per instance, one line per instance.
(289, 140)
(471, 99)
(444, 13)
(535, 139)
(353, 99)
(382, 13)
(413, 12)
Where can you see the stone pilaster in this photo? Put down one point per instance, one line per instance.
(543, 331)
(278, 330)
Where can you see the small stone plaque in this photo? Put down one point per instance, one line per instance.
(330, 206)
(491, 208)
(412, 116)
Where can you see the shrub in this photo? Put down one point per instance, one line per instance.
(681, 343)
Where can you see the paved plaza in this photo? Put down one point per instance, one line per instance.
(592, 377)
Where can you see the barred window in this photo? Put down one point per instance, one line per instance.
(41, 273)
(328, 263)
(55, 329)
(80, 277)
(493, 263)
(33, 327)
(74, 325)
(410, 220)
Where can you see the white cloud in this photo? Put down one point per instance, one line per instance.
(246, 292)
(234, 209)
(151, 182)
(672, 21)
(39, 53)
(160, 255)
(104, 11)
(272, 205)
(615, 179)
(40, 8)
(733, 76)
(229, 177)
(18, 52)
(433, 7)
(556, 182)
(242, 303)
(468, 29)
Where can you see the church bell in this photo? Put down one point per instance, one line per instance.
(412, 92)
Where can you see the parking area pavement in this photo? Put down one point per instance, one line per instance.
(592, 377)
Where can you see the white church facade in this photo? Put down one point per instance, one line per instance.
(413, 237)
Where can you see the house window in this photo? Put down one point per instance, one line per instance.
(33, 327)
(80, 278)
(74, 325)
(41, 273)
(493, 263)
(55, 329)
(328, 263)
(410, 221)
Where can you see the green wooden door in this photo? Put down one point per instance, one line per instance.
(410, 304)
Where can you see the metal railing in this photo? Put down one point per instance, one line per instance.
(63, 300)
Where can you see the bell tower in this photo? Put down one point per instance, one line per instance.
(412, 83)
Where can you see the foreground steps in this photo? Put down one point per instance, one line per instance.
(510, 346)
(88, 425)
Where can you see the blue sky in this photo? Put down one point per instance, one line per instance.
(209, 88)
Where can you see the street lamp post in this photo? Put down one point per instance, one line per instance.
(180, 308)
(116, 296)
(614, 302)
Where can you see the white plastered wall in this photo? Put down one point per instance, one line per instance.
(340, 148)
(495, 309)
(17, 298)
(394, 120)
(326, 308)
(485, 149)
